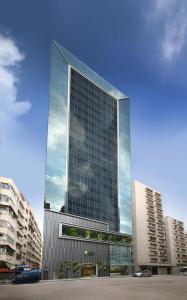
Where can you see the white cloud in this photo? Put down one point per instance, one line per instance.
(164, 5)
(10, 58)
(171, 17)
(174, 35)
(9, 52)
(57, 131)
(21, 156)
(125, 222)
(56, 180)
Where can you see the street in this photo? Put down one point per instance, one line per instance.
(126, 288)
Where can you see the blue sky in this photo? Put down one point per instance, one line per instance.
(138, 46)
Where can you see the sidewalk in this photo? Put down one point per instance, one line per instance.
(86, 278)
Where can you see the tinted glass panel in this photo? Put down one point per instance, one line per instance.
(56, 144)
(124, 168)
(92, 182)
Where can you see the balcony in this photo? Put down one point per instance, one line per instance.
(153, 260)
(31, 227)
(151, 212)
(7, 257)
(160, 223)
(163, 261)
(21, 212)
(161, 236)
(161, 239)
(163, 254)
(152, 240)
(159, 215)
(163, 243)
(149, 191)
(161, 227)
(153, 253)
(152, 247)
(21, 222)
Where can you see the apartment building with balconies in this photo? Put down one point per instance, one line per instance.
(176, 243)
(20, 237)
(149, 239)
(186, 246)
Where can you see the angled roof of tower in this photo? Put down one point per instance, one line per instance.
(91, 75)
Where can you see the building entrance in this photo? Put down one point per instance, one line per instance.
(88, 270)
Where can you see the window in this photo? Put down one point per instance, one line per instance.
(4, 186)
(6, 224)
(86, 233)
(6, 238)
(4, 198)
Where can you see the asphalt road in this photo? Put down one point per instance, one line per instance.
(126, 288)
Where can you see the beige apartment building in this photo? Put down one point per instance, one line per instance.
(176, 244)
(20, 237)
(149, 239)
(186, 247)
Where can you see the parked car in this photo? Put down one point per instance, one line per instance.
(30, 276)
(144, 273)
(183, 271)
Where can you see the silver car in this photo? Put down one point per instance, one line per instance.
(144, 273)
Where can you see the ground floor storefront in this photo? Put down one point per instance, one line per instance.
(75, 247)
(78, 270)
(6, 270)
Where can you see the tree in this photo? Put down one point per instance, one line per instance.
(61, 270)
(72, 231)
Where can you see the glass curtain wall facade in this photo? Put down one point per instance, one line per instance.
(88, 150)
(92, 170)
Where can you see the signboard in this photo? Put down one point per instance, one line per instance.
(23, 266)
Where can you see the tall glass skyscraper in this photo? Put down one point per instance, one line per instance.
(88, 149)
